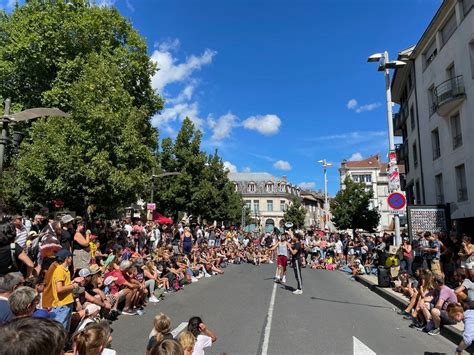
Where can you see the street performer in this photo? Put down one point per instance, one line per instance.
(282, 250)
(295, 251)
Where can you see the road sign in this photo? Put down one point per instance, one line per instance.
(151, 206)
(396, 200)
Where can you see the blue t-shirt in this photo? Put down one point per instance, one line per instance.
(434, 244)
(6, 314)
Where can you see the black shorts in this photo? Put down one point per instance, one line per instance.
(445, 320)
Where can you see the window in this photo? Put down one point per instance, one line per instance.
(431, 100)
(435, 144)
(362, 178)
(282, 188)
(456, 131)
(417, 193)
(461, 183)
(430, 53)
(412, 118)
(252, 187)
(248, 204)
(415, 155)
(256, 206)
(450, 72)
(236, 187)
(439, 188)
(282, 205)
(270, 205)
(449, 28)
(269, 187)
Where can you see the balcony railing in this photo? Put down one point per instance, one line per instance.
(448, 95)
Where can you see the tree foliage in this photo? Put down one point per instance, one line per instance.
(350, 207)
(90, 62)
(295, 213)
(203, 188)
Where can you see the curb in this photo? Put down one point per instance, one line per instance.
(448, 331)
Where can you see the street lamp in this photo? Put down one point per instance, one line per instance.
(326, 205)
(385, 65)
(22, 116)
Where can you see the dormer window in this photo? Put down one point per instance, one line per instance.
(236, 187)
(269, 187)
(282, 187)
(252, 187)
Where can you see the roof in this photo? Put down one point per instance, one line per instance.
(252, 177)
(371, 162)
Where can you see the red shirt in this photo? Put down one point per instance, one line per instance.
(118, 274)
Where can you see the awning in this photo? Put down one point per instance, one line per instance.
(157, 217)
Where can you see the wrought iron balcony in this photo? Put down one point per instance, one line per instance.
(448, 95)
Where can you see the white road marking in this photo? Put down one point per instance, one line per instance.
(360, 348)
(179, 329)
(268, 327)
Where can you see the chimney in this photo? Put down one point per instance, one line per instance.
(283, 179)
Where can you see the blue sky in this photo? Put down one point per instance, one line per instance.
(277, 85)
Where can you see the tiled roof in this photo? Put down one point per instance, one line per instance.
(252, 177)
(370, 162)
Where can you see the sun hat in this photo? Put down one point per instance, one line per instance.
(94, 269)
(66, 219)
(92, 308)
(109, 279)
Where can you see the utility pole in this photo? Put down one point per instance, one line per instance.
(325, 165)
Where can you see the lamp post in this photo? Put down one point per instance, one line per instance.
(22, 116)
(325, 165)
(385, 65)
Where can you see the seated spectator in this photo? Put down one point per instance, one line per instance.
(23, 301)
(8, 284)
(465, 292)
(161, 331)
(93, 340)
(452, 315)
(204, 336)
(187, 341)
(167, 347)
(443, 296)
(32, 336)
(468, 333)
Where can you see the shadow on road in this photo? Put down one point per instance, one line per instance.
(347, 302)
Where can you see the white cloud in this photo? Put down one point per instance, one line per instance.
(223, 126)
(107, 3)
(266, 125)
(179, 111)
(169, 71)
(368, 107)
(356, 156)
(230, 167)
(185, 94)
(7, 4)
(307, 185)
(129, 5)
(352, 104)
(247, 169)
(282, 165)
(169, 45)
(352, 137)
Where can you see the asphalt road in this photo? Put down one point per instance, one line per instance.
(334, 316)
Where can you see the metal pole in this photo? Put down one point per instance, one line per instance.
(152, 185)
(4, 137)
(391, 141)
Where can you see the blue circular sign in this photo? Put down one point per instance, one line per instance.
(396, 200)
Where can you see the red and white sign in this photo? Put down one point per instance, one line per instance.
(151, 206)
(393, 172)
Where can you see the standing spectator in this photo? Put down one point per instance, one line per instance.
(467, 255)
(12, 256)
(21, 232)
(204, 336)
(66, 232)
(434, 254)
(63, 288)
(295, 251)
(80, 247)
(407, 261)
(36, 225)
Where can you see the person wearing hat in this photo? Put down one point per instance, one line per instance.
(63, 288)
(92, 293)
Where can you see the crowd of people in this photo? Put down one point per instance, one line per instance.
(73, 278)
(84, 275)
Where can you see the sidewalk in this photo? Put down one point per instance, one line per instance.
(451, 332)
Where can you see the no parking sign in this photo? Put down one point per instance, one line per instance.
(396, 200)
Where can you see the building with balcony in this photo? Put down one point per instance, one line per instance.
(435, 91)
(373, 173)
(266, 196)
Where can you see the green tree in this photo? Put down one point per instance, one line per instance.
(90, 62)
(203, 188)
(295, 213)
(350, 207)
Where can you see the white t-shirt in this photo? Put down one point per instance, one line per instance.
(338, 247)
(469, 285)
(202, 342)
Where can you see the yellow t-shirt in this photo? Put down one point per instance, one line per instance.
(61, 274)
(391, 261)
(93, 248)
